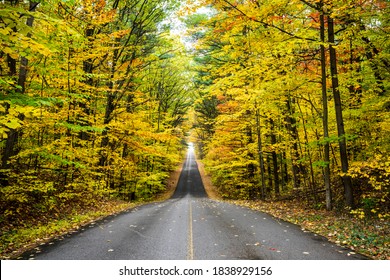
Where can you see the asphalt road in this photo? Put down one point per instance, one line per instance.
(191, 226)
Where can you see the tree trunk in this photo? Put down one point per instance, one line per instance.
(251, 168)
(11, 64)
(87, 69)
(275, 160)
(284, 170)
(311, 186)
(325, 116)
(24, 61)
(260, 153)
(110, 108)
(347, 182)
(291, 126)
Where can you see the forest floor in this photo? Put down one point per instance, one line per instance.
(367, 237)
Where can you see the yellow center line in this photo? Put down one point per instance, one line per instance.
(190, 255)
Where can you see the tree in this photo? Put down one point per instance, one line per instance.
(339, 115)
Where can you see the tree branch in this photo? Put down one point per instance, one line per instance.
(265, 24)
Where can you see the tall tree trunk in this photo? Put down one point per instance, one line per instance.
(284, 170)
(110, 108)
(11, 62)
(311, 187)
(260, 153)
(292, 127)
(347, 182)
(88, 69)
(275, 159)
(251, 168)
(325, 116)
(24, 61)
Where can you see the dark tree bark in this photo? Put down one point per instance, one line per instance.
(292, 127)
(260, 153)
(325, 112)
(88, 70)
(11, 62)
(347, 182)
(24, 61)
(275, 160)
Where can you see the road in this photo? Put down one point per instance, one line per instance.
(191, 226)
